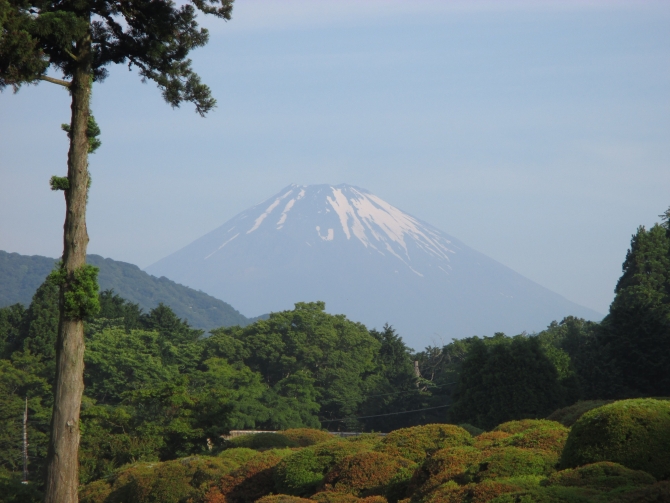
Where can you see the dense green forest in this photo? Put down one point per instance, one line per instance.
(21, 275)
(158, 389)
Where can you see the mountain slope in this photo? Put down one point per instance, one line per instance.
(20, 276)
(364, 258)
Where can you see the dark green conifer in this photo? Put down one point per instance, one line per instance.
(637, 329)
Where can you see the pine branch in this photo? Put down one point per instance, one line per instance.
(63, 83)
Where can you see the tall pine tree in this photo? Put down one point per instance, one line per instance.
(79, 38)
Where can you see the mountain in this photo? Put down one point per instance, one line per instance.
(20, 276)
(366, 259)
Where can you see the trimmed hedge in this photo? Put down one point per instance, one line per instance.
(371, 474)
(304, 437)
(634, 433)
(302, 472)
(417, 442)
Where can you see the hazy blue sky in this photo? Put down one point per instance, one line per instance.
(536, 132)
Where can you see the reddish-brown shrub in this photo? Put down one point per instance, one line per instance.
(304, 437)
(282, 498)
(488, 490)
(335, 497)
(371, 473)
(417, 442)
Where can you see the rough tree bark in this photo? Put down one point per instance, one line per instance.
(62, 479)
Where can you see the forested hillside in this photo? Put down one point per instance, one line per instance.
(157, 390)
(21, 275)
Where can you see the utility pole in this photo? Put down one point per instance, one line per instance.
(25, 444)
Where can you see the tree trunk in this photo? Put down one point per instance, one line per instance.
(62, 480)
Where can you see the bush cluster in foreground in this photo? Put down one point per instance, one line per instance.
(615, 453)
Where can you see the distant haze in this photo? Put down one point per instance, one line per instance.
(366, 259)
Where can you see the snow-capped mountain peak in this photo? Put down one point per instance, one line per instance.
(365, 258)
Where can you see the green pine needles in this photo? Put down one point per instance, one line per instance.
(81, 298)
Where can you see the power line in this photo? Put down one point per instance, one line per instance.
(389, 414)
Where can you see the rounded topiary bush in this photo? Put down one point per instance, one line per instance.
(444, 465)
(602, 475)
(239, 455)
(490, 439)
(261, 441)
(568, 416)
(417, 442)
(282, 498)
(657, 493)
(251, 481)
(167, 482)
(528, 434)
(304, 437)
(514, 462)
(302, 472)
(369, 474)
(335, 497)
(634, 433)
(526, 425)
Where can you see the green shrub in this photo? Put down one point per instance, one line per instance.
(304, 437)
(490, 439)
(444, 465)
(514, 462)
(251, 481)
(529, 434)
(657, 493)
(568, 416)
(372, 440)
(239, 455)
(335, 497)
(472, 430)
(634, 433)
(526, 425)
(302, 472)
(371, 474)
(167, 482)
(471, 493)
(261, 441)
(13, 491)
(417, 442)
(602, 475)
